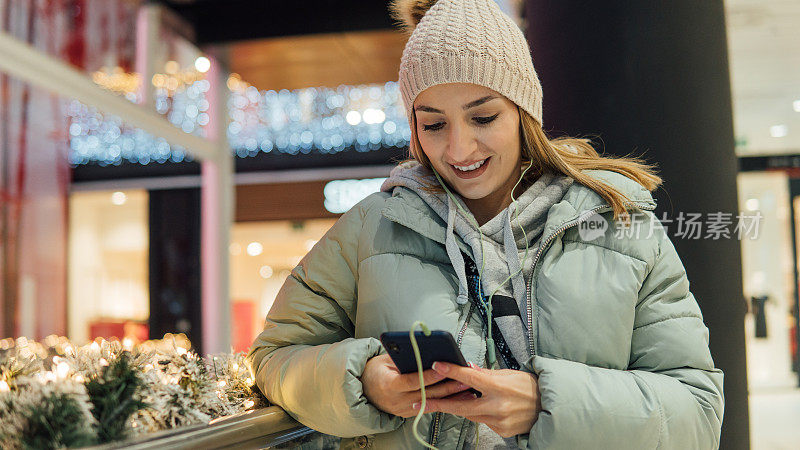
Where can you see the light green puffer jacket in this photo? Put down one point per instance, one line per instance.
(620, 348)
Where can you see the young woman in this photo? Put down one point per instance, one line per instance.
(541, 257)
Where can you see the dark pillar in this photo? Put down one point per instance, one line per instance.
(175, 264)
(652, 78)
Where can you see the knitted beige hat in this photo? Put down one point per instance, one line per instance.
(465, 41)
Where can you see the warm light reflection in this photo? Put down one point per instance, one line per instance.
(265, 272)
(117, 80)
(62, 370)
(172, 67)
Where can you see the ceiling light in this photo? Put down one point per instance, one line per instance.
(254, 249)
(202, 64)
(119, 198)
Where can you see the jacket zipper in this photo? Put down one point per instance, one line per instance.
(437, 417)
(531, 344)
(545, 245)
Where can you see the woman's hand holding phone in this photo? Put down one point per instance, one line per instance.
(395, 393)
(510, 403)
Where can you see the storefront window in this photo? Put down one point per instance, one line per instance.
(767, 274)
(108, 268)
(262, 256)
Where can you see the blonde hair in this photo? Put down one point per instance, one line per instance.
(567, 156)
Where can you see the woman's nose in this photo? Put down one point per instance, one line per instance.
(461, 144)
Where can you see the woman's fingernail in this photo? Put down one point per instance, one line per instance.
(440, 367)
(415, 406)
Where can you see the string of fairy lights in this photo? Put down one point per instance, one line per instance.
(321, 120)
(168, 382)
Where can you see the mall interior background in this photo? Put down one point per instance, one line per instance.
(102, 221)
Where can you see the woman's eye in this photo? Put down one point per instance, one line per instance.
(434, 127)
(485, 120)
(481, 120)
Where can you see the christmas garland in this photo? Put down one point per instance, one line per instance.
(54, 394)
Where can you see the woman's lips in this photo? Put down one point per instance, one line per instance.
(472, 173)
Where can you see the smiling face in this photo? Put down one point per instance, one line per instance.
(471, 137)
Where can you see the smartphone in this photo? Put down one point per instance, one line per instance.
(439, 346)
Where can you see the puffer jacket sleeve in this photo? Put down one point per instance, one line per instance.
(669, 398)
(306, 360)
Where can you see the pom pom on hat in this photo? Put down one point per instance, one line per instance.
(408, 13)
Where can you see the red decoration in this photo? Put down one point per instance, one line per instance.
(244, 330)
(75, 48)
(120, 329)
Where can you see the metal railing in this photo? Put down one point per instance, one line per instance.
(263, 428)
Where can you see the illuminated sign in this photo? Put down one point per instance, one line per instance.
(341, 195)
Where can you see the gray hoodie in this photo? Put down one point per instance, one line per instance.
(503, 241)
